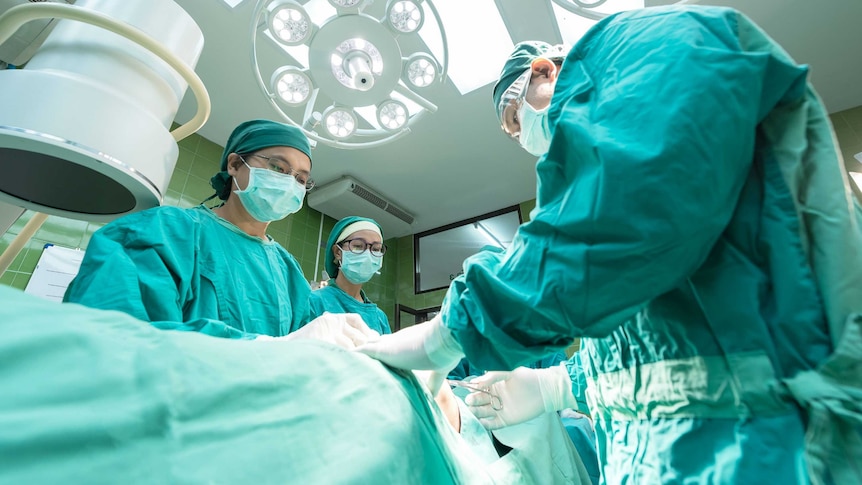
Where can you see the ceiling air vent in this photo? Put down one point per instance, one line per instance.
(347, 197)
(367, 195)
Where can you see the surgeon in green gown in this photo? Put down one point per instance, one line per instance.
(354, 254)
(694, 226)
(214, 271)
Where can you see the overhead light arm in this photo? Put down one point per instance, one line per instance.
(19, 15)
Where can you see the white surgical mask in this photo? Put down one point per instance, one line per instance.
(359, 268)
(270, 196)
(535, 135)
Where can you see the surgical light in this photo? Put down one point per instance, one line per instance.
(405, 16)
(290, 23)
(339, 122)
(292, 85)
(421, 70)
(392, 115)
(348, 78)
(345, 3)
(355, 63)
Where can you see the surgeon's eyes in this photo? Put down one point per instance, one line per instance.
(276, 168)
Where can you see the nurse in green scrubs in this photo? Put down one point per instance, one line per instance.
(354, 255)
(216, 271)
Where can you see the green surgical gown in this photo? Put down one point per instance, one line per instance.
(333, 299)
(189, 269)
(695, 227)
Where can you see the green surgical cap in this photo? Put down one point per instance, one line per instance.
(329, 259)
(254, 135)
(519, 61)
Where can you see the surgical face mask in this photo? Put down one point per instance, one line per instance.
(359, 268)
(535, 135)
(270, 196)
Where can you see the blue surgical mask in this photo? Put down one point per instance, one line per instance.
(270, 196)
(535, 135)
(359, 268)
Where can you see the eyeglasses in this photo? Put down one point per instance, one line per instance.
(280, 165)
(358, 246)
(511, 102)
(496, 402)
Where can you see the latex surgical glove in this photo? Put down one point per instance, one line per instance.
(428, 346)
(523, 394)
(346, 330)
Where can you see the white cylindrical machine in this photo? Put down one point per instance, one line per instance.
(84, 127)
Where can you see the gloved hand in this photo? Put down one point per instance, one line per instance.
(346, 330)
(429, 345)
(524, 393)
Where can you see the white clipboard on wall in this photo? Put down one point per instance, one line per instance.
(56, 268)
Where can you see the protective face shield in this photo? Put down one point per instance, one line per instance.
(525, 124)
(359, 268)
(270, 196)
(510, 104)
(535, 134)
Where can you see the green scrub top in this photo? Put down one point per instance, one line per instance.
(694, 225)
(333, 299)
(189, 269)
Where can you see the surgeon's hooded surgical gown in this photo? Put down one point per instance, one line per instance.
(694, 224)
(189, 269)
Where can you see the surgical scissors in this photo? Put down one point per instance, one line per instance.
(496, 402)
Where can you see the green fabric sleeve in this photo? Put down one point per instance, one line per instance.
(653, 124)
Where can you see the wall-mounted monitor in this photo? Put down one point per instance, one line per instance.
(439, 253)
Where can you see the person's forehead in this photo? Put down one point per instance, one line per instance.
(298, 161)
(367, 234)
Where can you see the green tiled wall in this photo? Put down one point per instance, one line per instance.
(198, 161)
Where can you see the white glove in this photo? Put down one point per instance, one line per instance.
(346, 330)
(524, 394)
(429, 345)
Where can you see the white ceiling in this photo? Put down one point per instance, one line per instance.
(457, 163)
